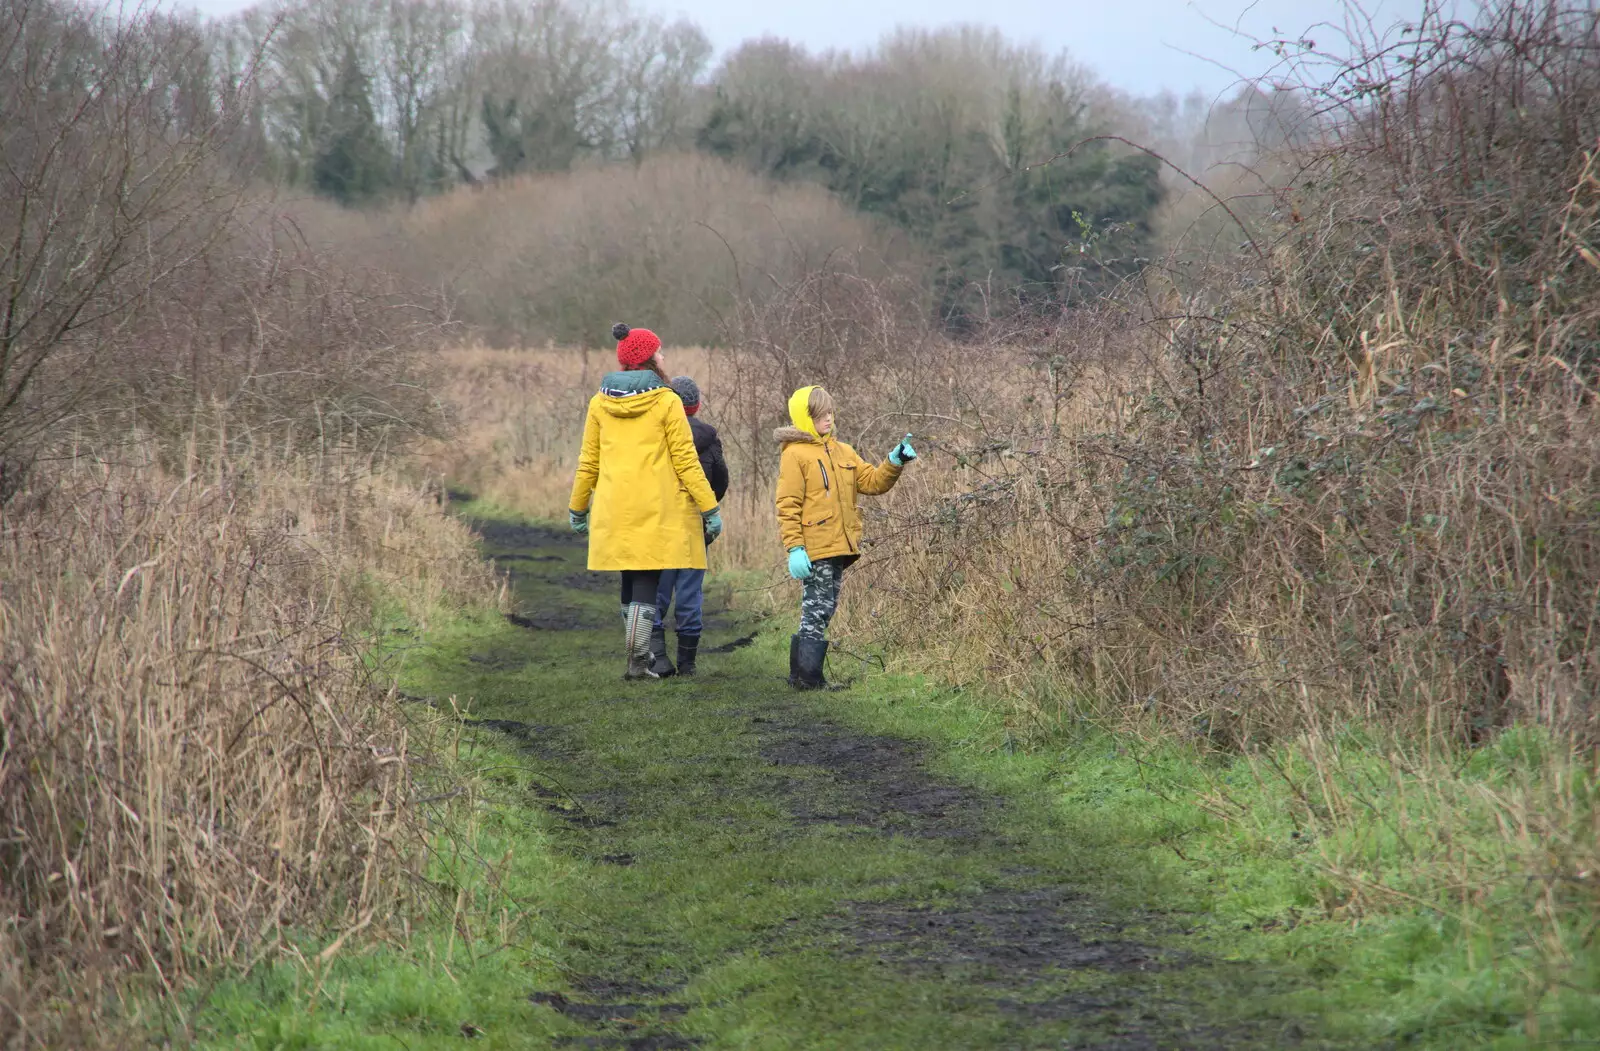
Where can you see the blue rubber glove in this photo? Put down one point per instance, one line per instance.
(712, 520)
(903, 453)
(579, 520)
(799, 564)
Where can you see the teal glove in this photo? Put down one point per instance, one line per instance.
(903, 453)
(712, 520)
(579, 520)
(799, 564)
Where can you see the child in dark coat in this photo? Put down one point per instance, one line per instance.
(685, 588)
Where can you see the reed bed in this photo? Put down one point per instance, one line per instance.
(198, 764)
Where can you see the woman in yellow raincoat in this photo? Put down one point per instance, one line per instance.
(819, 478)
(640, 492)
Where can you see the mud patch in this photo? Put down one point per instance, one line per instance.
(612, 1011)
(1009, 943)
(579, 818)
(620, 1005)
(558, 619)
(504, 534)
(500, 660)
(1012, 943)
(589, 582)
(1127, 1020)
(623, 988)
(542, 742)
(878, 782)
(1004, 934)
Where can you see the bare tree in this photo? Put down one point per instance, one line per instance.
(658, 69)
(549, 87)
(766, 104)
(417, 39)
(304, 47)
(108, 169)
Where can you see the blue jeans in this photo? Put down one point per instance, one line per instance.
(687, 586)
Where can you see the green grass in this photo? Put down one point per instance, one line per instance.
(739, 915)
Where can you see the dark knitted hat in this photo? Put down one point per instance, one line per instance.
(635, 346)
(688, 393)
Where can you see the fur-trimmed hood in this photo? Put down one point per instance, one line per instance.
(790, 435)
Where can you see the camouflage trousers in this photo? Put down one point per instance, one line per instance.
(820, 600)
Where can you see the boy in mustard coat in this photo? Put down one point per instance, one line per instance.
(819, 478)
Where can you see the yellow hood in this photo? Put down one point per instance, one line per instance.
(800, 411)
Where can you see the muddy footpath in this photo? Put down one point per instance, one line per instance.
(766, 874)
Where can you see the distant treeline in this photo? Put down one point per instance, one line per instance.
(940, 133)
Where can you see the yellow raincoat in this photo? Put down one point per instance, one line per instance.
(818, 481)
(639, 466)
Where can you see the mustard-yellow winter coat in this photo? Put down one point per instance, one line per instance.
(818, 480)
(639, 466)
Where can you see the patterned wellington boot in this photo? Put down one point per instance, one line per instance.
(641, 619)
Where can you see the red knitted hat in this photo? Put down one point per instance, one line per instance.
(635, 346)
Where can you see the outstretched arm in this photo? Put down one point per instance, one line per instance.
(874, 479)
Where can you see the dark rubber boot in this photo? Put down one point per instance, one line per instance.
(807, 656)
(794, 661)
(658, 653)
(688, 646)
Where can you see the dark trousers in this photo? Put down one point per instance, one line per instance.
(640, 585)
(685, 589)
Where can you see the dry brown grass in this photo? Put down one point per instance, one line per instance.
(676, 242)
(1348, 476)
(195, 757)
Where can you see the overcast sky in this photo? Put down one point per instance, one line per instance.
(1139, 45)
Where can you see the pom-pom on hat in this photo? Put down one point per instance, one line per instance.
(635, 346)
(688, 392)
